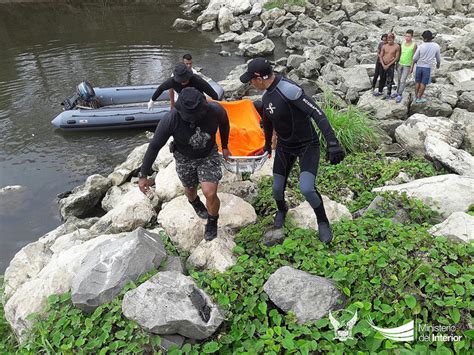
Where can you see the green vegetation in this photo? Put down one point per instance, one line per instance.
(7, 339)
(280, 4)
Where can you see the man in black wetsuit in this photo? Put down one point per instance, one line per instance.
(183, 77)
(193, 124)
(288, 110)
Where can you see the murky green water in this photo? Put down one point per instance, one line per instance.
(45, 51)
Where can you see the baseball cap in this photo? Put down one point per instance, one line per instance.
(191, 105)
(182, 73)
(258, 67)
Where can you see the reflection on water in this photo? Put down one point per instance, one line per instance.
(45, 51)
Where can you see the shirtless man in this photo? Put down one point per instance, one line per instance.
(388, 56)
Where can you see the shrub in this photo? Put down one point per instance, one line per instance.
(272, 4)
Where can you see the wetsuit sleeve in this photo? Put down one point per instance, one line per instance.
(268, 130)
(224, 127)
(308, 106)
(162, 133)
(168, 84)
(203, 86)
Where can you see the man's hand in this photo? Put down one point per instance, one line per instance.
(438, 65)
(334, 153)
(226, 153)
(144, 185)
(268, 150)
(150, 104)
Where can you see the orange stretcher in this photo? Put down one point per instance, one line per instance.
(246, 138)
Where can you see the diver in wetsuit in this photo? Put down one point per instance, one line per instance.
(183, 77)
(288, 110)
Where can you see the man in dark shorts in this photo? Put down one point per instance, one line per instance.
(193, 124)
(183, 77)
(389, 55)
(378, 64)
(288, 110)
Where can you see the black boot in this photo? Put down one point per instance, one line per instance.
(280, 214)
(325, 232)
(199, 207)
(210, 232)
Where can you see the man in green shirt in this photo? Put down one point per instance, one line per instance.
(408, 49)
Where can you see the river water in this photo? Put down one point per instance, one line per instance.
(45, 51)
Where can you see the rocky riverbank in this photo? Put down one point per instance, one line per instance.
(330, 45)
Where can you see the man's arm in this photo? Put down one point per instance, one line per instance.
(268, 130)
(203, 86)
(381, 54)
(438, 57)
(417, 55)
(162, 133)
(171, 94)
(224, 127)
(168, 84)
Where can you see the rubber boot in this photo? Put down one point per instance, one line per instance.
(280, 215)
(199, 207)
(210, 232)
(325, 232)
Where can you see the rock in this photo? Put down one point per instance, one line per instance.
(294, 60)
(246, 190)
(388, 126)
(10, 188)
(225, 19)
(395, 212)
(412, 133)
(208, 26)
(114, 195)
(444, 92)
(167, 341)
(434, 107)
(466, 101)
(404, 11)
(225, 54)
(174, 263)
(55, 278)
(85, 197)
(181, 24)
(226, 37)
(356, 78)
(250, 37)
(272, 15)
(164, 158)
(237, 26)
(305, 218)
(454, 159)
(135, 210)
(273, 237)
(445, 193)
(352, 8)
(275, 32)
(309, 297)
(266, 170)
(171, 303)
(401, 178)
(335, 18)
(308, 37)
(214, 255)
(261, 48)
(466, 120)
(232, 85)
(257, 9)
(110, 265)
(186, 229)
(382, 109)
(459, 227)
(168, 185)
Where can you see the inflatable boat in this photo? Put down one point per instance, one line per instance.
(114, 108)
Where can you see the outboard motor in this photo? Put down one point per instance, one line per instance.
(84, 97)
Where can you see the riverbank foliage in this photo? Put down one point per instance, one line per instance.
(389, 272)
(280, 4)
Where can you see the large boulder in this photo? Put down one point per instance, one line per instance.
(435, 108)
(457, 160)
(445, 193)
(304, 216)
(168, 185)
(133, 162)
(214, 255)
(463, 79)
(404, 11)
(382, 109)
(55, 278)
(335, 18)
(134, 210)
(171, 303)
(250, 37)
(272, 15)
(466, 120)
(246, 190)
(310, 297)
(232, 85)
(164, 158)
(257, 49)
(85, 197)
(356, 78)
(225, 19)
(183, 25)
(226, 37)
(466, 101)
(412, 133)
(459, 227)
(110, 265)
(113, 197)
(186, 229)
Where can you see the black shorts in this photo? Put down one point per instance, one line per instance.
(192, 171)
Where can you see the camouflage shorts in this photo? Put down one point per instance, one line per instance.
(191, 172)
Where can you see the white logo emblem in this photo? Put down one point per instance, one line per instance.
(271, 108)
(405, 332)
(199, 139)
(346, 332)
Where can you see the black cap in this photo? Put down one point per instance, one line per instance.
(191, 104)
(258, 67)
(427, 35)
(182, 73)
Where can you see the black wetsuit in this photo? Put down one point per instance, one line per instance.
(288, 110)
(193, 140)
(196, 82)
